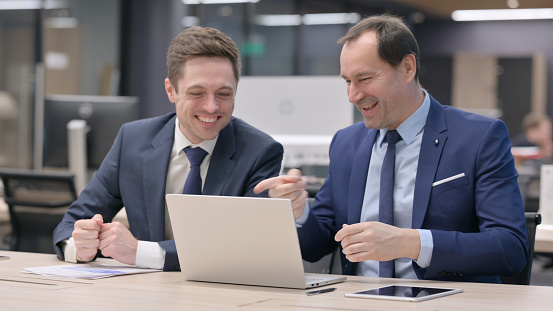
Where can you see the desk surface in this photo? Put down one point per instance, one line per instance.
(168, 291)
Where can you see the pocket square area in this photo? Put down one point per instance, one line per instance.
(439, 182)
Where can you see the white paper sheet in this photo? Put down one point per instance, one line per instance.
(87, 271)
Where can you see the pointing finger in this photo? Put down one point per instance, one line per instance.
(274, 182)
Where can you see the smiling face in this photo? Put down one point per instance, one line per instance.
(380, 91)
(205, 98)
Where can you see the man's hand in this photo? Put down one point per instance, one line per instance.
(378, 241)
(117, 242)
(86, 235)
(289, 186)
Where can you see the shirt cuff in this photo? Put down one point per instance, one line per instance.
(427, 245)
(69, 250)
(303, 218)
(149, 255)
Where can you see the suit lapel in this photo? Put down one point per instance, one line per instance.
(433, 142)
(221, 163)
(358, 179)
(154, 162)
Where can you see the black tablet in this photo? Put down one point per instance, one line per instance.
(405, 293)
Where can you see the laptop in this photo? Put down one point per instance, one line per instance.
(240, 240)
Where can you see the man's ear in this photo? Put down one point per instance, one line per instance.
(170, 90)
(409, 67)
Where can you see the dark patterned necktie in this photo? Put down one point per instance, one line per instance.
(386, 206)
(193, 184)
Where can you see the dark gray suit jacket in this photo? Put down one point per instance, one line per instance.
(133, 175)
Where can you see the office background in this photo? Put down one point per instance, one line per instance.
(117, 47)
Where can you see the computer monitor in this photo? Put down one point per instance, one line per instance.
(104, 116)
(294, 105)
(300, 112)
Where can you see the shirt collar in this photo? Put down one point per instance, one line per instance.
(182, 142)
(413, 125)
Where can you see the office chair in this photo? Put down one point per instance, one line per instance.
(523, 278)
(37, 201)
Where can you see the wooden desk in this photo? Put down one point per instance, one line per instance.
(168, 291)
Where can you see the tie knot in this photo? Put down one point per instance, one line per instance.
(195, 155)
(392, 136)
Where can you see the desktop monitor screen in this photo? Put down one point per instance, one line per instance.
(300, 112)
(294, 105)
(104, 116)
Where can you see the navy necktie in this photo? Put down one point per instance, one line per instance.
(193, 183)
(386, 206)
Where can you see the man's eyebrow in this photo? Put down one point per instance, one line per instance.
(359, 74)
(201, 87)
(364, 73)
(195, 86)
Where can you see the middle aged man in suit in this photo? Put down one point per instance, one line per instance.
(150, 158)
(457, 211)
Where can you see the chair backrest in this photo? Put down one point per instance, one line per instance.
(37, 201)
(523, 278)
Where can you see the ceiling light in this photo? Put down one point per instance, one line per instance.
(513, 4)
(278, 20)
(32, 4)
(217, 1)
(307, 19)
(331, 18)
(496, 15)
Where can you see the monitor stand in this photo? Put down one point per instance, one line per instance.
(77, 153)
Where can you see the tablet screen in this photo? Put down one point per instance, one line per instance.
(402, 292)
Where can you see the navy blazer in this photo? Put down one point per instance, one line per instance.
(477, 221)
(134, 172)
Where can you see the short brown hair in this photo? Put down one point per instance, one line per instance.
(200, 41)
(395, 40)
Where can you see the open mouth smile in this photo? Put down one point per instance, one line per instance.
(208, 119)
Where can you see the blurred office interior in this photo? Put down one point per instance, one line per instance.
(500, 68)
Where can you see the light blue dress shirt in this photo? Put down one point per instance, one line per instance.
(407, 158)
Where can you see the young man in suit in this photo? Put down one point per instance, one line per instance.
(455, 209)
(149, 159)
